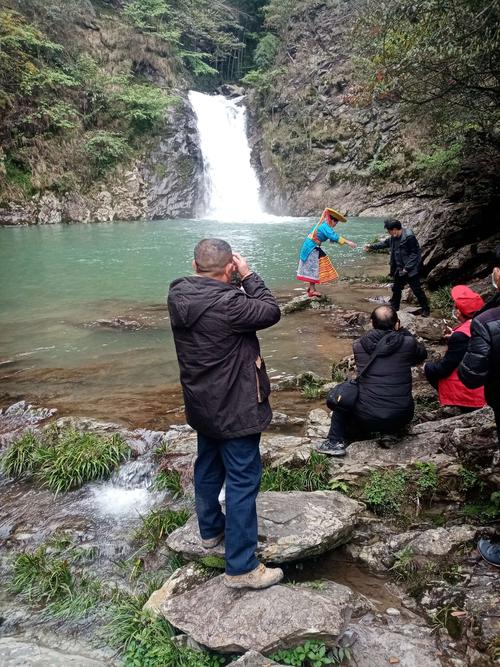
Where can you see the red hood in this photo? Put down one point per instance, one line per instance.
(466, 300)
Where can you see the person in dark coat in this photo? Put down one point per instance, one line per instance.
(405, 263)
(385, 402)
(226, 390)
(442, 374)
(481, 367)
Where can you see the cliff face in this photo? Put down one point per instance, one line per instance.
(159, 176)
(316, 142)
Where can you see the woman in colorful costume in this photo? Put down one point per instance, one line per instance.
(315, 266)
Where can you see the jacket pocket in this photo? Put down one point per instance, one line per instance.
(263, 384)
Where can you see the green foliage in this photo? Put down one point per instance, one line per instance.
(199, 32)
(311, 385)
(169, 480)
(312, 475)
(426, 482)
(469, 479)
(384, 492)
(441, 299)
(442, 163)
(311, 654)
(158, 524)
(17, 175)
(40, 577)
(418, 574)
(141, 105)
(64, 460)
(397, 492)
(381, 168)
(106, 150)
(20, 459)
(484, 511)
(427, 56)
(266, 51)
(338, 374)
(146, 641)
(278, 13)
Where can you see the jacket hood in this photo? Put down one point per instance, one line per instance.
(466, 300)
(392, 341)
(189, 298)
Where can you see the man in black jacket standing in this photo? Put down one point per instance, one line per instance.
(226, 392)
(405, 263)
(481, 366)
(385, 401)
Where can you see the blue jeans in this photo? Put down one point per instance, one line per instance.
(237, 462)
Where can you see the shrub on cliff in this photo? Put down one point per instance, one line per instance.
(64, 460)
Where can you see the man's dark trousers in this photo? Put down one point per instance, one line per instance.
(415, 286)
(237, 462)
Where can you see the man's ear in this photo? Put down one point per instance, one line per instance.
(397, 326)
(496, 276)
(193, 264)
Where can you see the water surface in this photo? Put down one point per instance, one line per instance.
(58, 282)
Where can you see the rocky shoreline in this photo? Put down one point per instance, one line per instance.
(407, 513)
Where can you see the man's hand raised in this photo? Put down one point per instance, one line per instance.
(241, 265)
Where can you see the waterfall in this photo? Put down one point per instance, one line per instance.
(231, 183)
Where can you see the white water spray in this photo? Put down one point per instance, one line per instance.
(230, 180)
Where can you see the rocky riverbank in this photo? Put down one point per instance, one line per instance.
(404, 513)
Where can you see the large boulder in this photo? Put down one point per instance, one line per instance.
(292, 526)
(182, 580)
(378, 644)
(229, 621)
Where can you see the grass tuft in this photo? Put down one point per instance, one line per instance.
(64, 460)
(171, 481)
(158, 524)
(313, 475)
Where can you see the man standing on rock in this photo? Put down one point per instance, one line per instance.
(226, 392)
(405, 263)
(481, 367)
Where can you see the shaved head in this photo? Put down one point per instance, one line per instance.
(384, 317)
(212, 256)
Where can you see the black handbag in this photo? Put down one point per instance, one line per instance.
(344, 395)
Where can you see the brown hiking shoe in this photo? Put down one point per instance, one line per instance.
(212, 542)
(261, 577)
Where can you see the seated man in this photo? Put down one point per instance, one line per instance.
(442, 374)
(385, 402)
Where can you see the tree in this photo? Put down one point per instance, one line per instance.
(438, 57)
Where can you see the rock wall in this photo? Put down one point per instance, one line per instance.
(315, 143)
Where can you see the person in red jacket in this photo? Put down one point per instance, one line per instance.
(443, 374)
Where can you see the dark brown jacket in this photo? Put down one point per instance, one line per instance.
(214, 325)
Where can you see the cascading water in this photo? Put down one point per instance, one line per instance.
(231, 182)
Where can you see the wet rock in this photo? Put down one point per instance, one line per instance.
(50, 210)
(435, 543)
(402, 643)
(182, 580)
(282, 449)
(281, 419)
(428, 328)
(119, 323)
(18, 214)
(277, 617)
(440, 442)
(75, 208)
(482, 600)
(254, 659)
(292, 526)
(103, 207)
(20, 653)
(304, 302)
(20, 417)
(318, 423)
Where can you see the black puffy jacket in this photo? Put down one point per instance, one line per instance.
(214, 324)
(410, 257)
(385, 396)
(481, 364)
